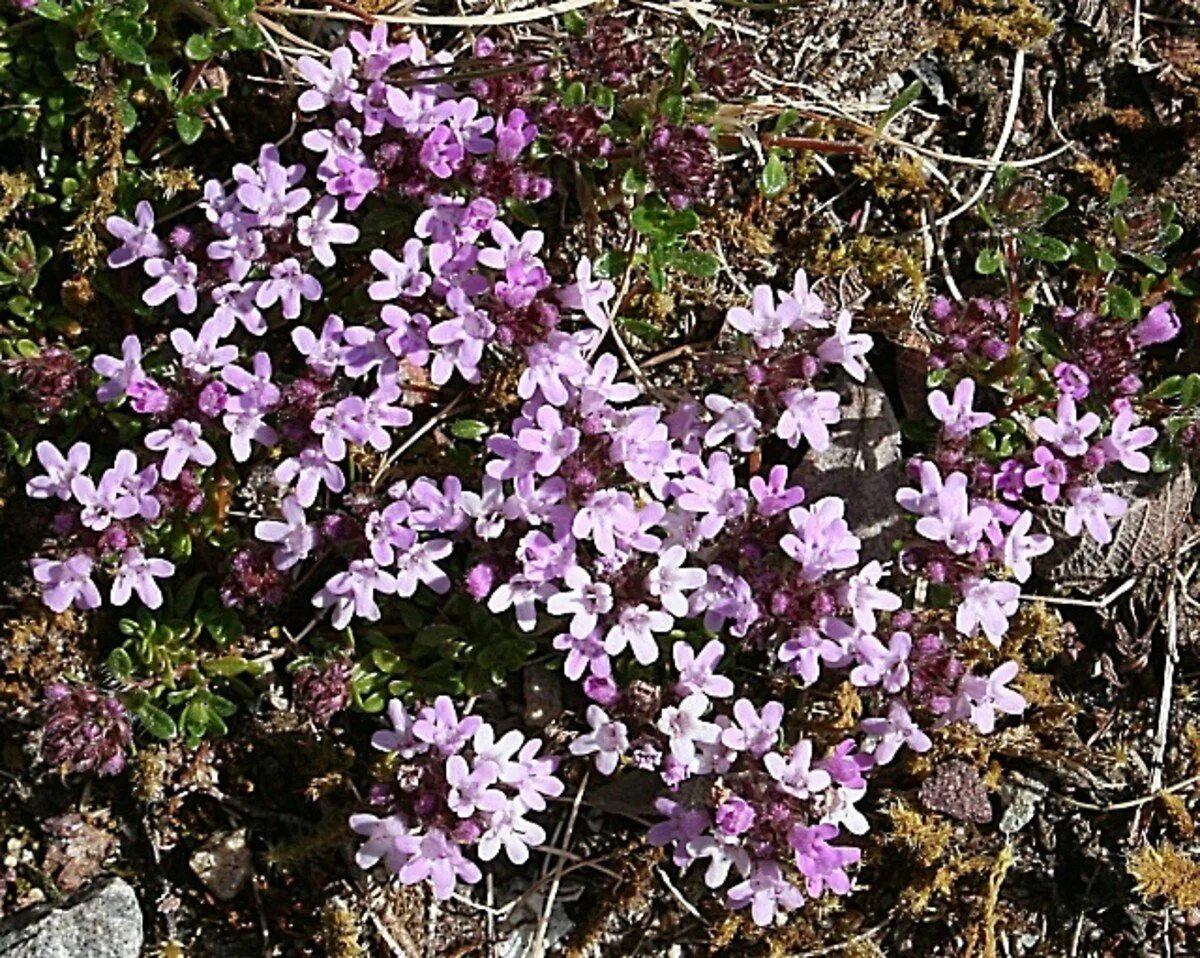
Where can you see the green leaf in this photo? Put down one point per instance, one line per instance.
(50, 10)
(471, 429)
(189, 127)
(1169, 388)
(1119, 192)
(1120, 302)
(574, 23)
(227, 666)
(120, 664)
(634, 181)
(158, 723)
(671, 107)
(610, 264)
(774, 177)
(574, 95)
(661, 222)
(694, 263)
(198, 47)
(123, 37)
(677, 60)
(1044, 248)
(906, 98)
(641, 329)
(988, 261)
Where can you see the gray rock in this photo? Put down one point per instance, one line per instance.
(104, 921)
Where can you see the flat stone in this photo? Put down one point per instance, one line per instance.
(104, 921)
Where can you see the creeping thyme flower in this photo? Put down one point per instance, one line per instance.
(681, 162)
(85, 730)
(320, 692)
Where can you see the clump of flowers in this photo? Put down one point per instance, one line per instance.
(452, 788)
(84, 730)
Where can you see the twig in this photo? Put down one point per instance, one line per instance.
(412, 440)
(393, 946)
(1133, 802)
(537, 947)
(1010, 119)
(1162, 729)
(465, 20)
(1100, 603)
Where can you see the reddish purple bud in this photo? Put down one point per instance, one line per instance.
(1161, 325)
(734, 816)
(480, 581)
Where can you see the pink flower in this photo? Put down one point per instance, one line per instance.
(1091, 507)
(795, 774)
(137, 574)
(333, 84)
(635, 628)
(1160, 325)
(986, 604)
(588, 295)
(1123, 442)
(60, 470)
(181, 444)
(352, 593)
(67, 583)
(697, 670)
(684, 728)
(983, 698)
(806, 415)
(846, 349)
(137, 239)
(175, 278)
(608, 740)
(1021, 546)
(318, 231)
(766, 892)
(294, 538)
(823, 542)
(120, 373)
(765, 322)
(894, 731)
(958, 419)
(754, 733)
(1071, 430)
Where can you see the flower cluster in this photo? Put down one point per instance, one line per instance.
(453, 787)
(85, 730)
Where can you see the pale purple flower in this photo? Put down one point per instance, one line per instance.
(984, 697)
(294, 538)
(955, 522)
(823, 541)
(60, 470)
(552, 365)
(532, 777)
(418, 564)
(684, 728)
(1072, 381)
(318, 230)
(309, 469)
(331, 85)
(736, 419)
(1123, 442)
(137, 238)
(204, 352)
(766, 892)
(714, 495)
(388, 840)
(120, 373)
(862, 595)
(1091, 508)
(401, 277)
(1050, 474)
(460, 343)
(697, 670)
(175, 278)
(846, 349)
(352, 593)
(181, 444)
(440, 860)
(510, 830)
(1022, 546)
(605, 515)
(795, 774)
(399, 738)
(470, 788)
(669, 580)
(1069, 433)
(635, 629)
(894, 731)
(958, 419)
(439, 726)
(754, 733)
(521, 595)
(765, 321)
(549, 439)
(925, 502)
(136, 573)
(608, 740)
(1160, 325)
(66, 583)
(588, 295)
(584, 653)
(724, 852)
(886, 666)
(986, 604)
(812, 309)
(773, 495)
(806, 415)
(289, 285)
(821, 864)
